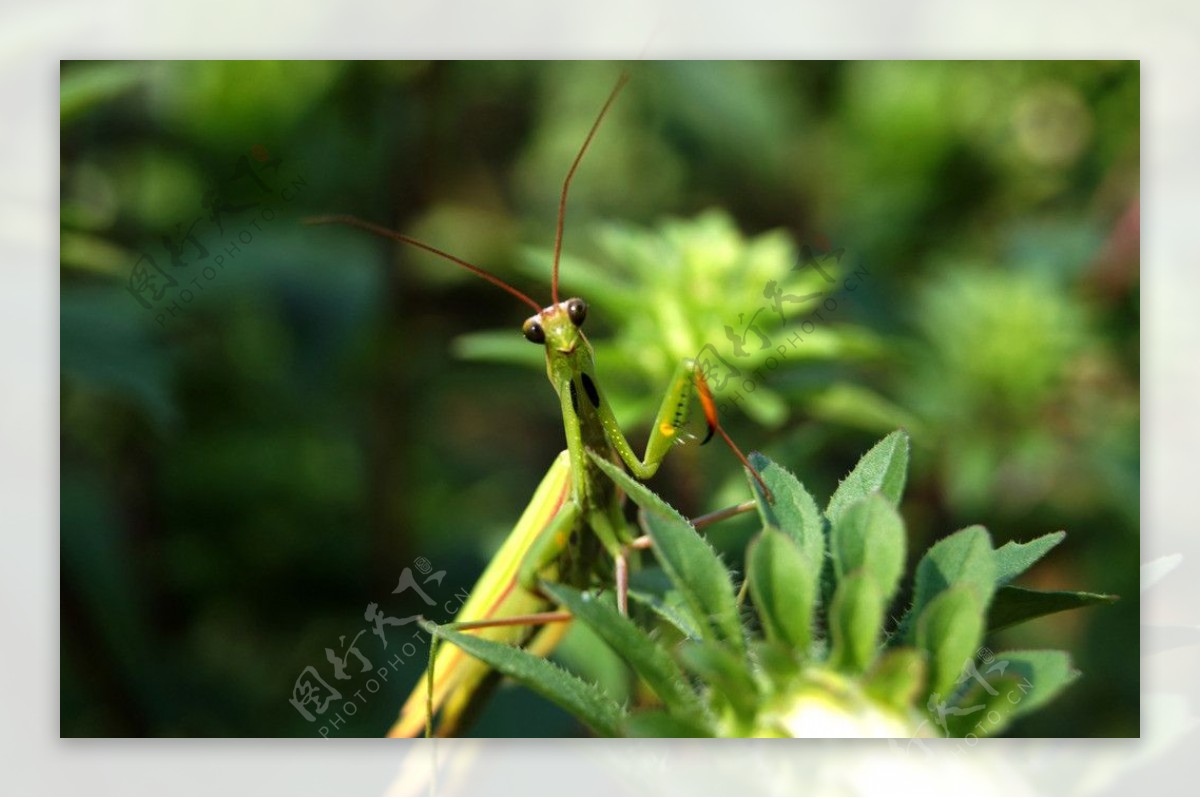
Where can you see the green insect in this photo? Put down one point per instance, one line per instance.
(574, 530)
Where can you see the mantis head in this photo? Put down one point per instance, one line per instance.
(557, 326)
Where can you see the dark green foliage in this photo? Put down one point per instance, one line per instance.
(938, 673)
(783, 584)
(694, 568)
(586, 702)
(242, 477)
(881, 470)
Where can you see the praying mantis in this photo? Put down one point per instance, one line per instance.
(574, 530)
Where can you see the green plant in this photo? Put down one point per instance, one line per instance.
(1022, 399)
(668, 291)
(813, 653)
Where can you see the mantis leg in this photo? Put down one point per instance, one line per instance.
(622, 570)
(549, 547)
(673, 413)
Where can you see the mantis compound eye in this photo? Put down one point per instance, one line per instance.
(534, 331)
(576, 311)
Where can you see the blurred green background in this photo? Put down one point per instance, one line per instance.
(264, 423)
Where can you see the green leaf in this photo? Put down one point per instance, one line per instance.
(646, 657)
(975, 712)
(963, 558)
(1012, 605)
(701, 578)
(778, 662)
(1006, 686)
(671, 607)
(950, 629)
(855, 618)
(688, 560)
(794, 511)
(897, 678)
(587, 702)
(882, 469)
(1014, 559)
(869, 536)
(783, 587)
(499, 346)
(656, 723)
(725, 672)
(856, 406)
(652, 588)
(1043, 674)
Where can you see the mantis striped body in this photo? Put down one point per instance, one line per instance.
(574, 526)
